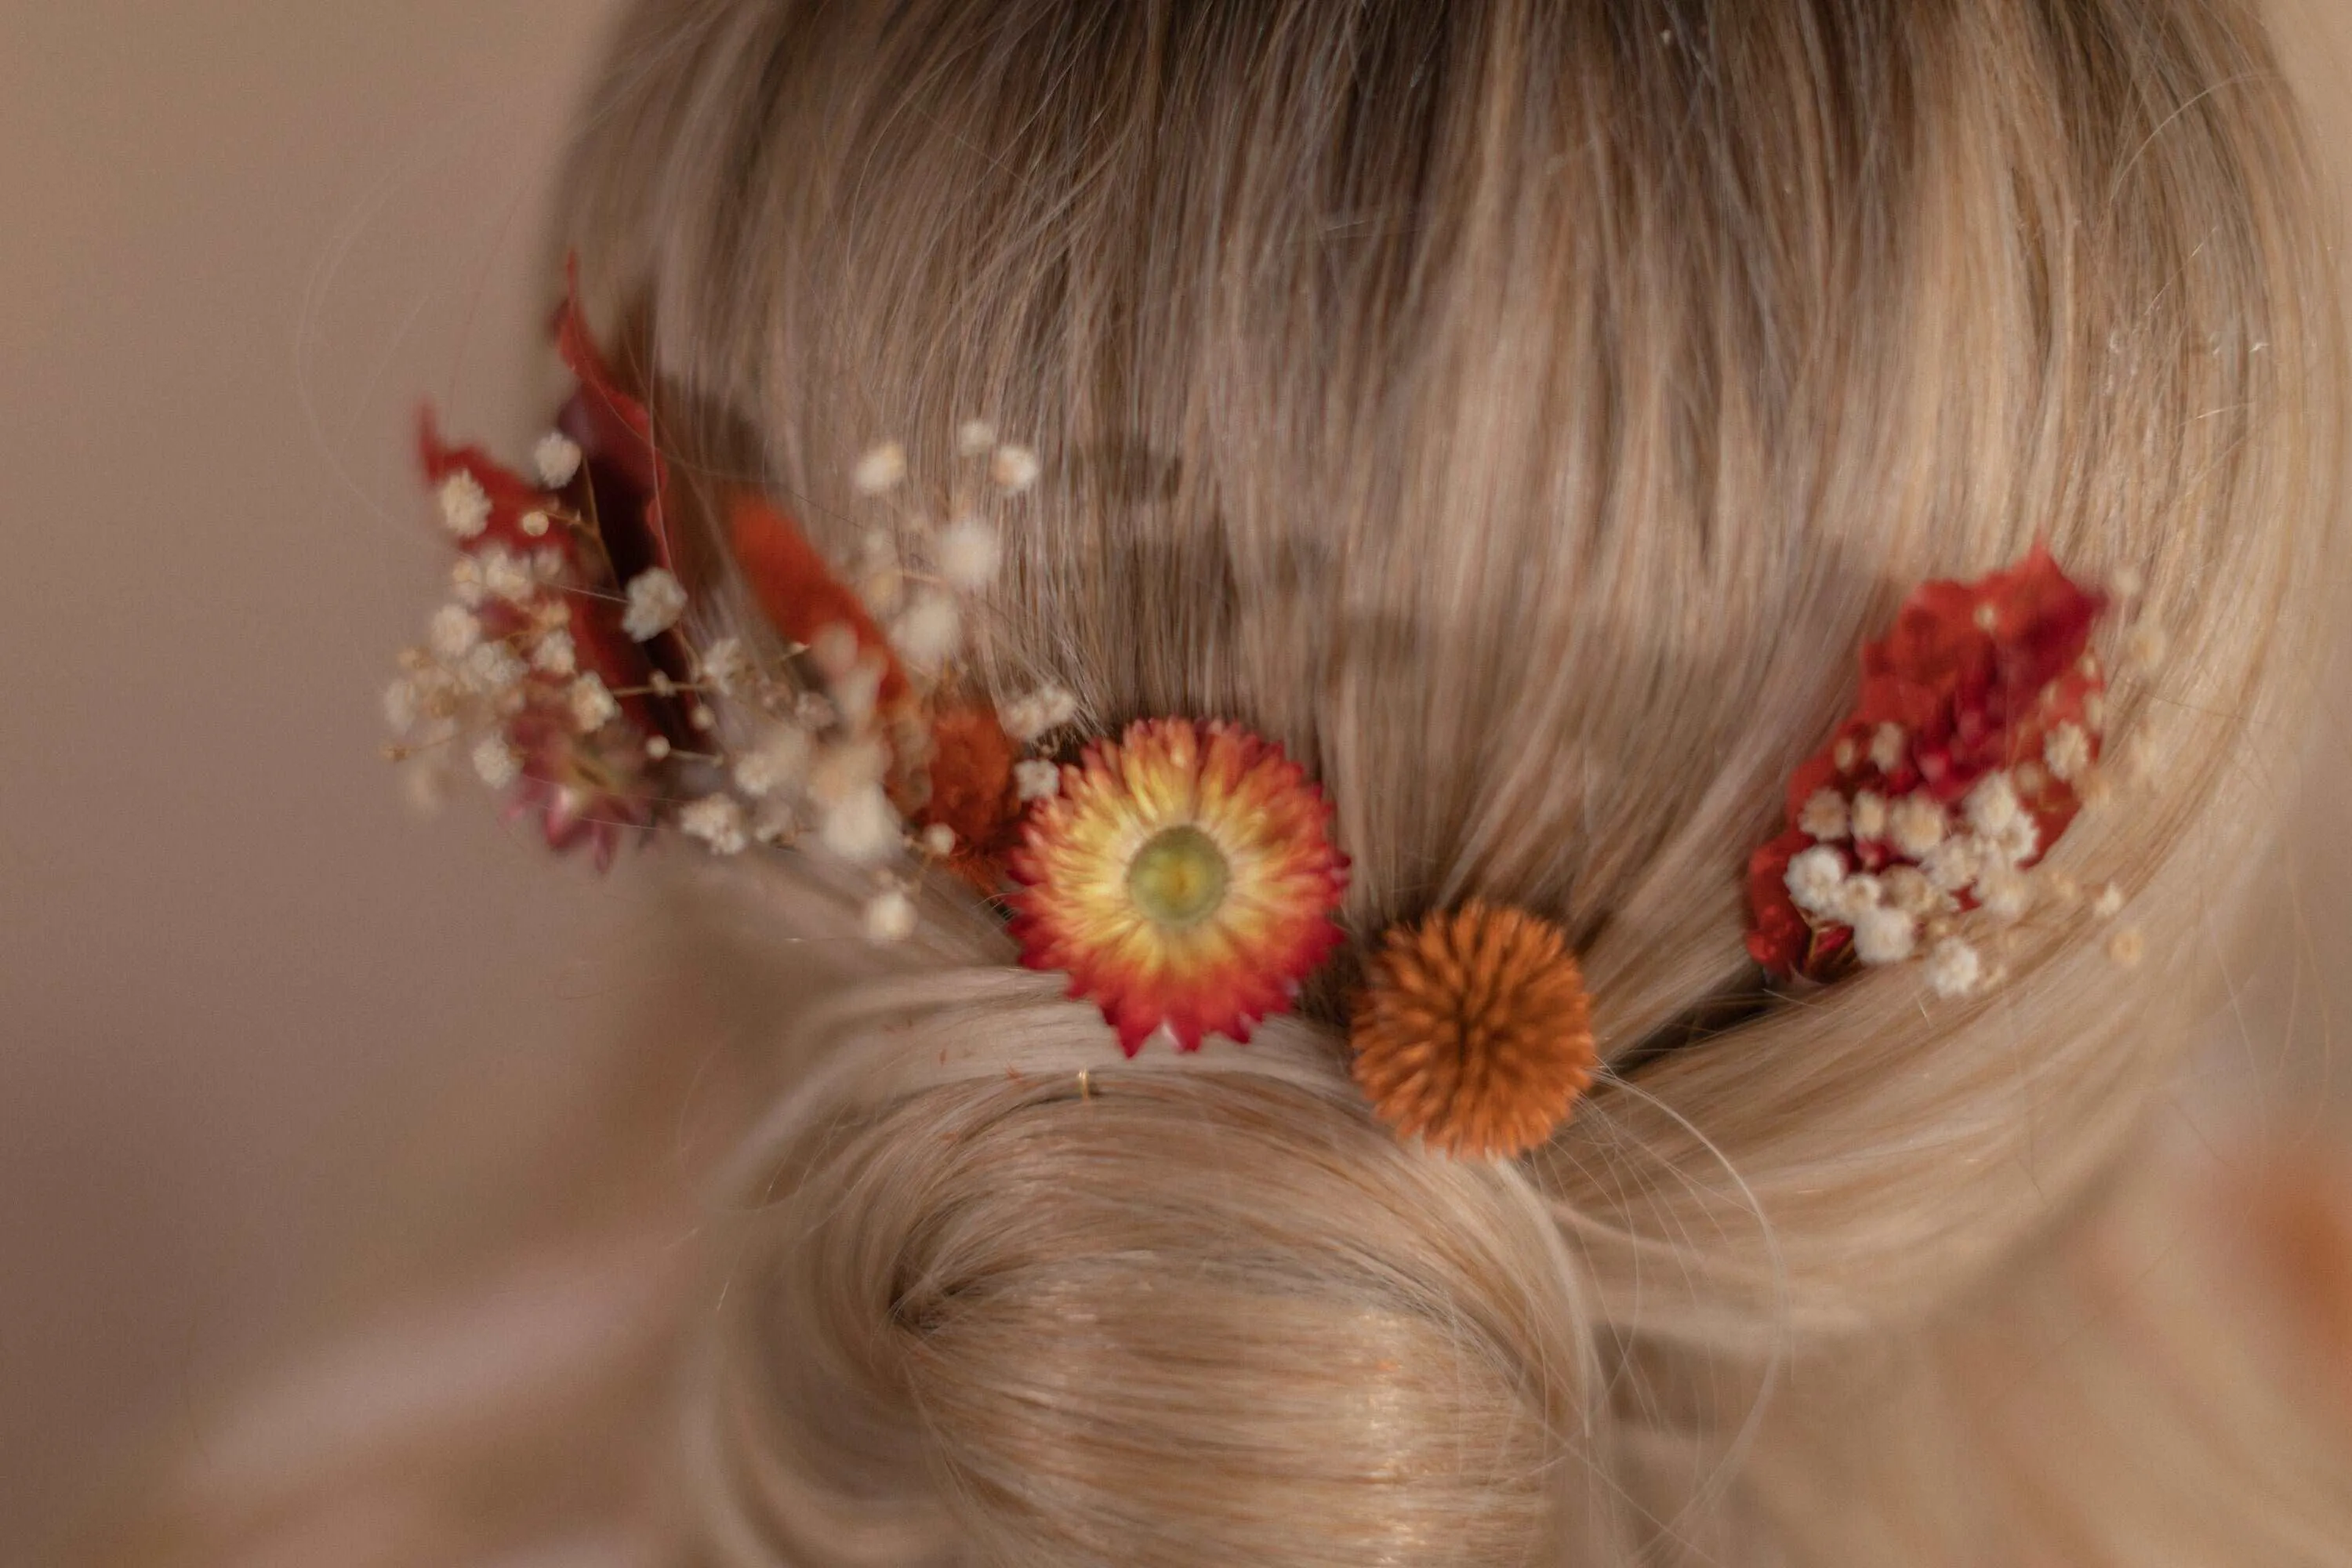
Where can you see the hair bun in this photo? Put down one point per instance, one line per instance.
(1178, 1310)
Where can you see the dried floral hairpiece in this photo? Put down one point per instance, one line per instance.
(1183, 875)
(1977, 737)
(563, 670)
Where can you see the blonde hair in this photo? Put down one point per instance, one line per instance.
(1522, 411)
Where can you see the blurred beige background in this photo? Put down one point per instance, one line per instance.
(238, 240)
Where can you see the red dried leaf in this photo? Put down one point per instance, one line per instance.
(616, 432)
(801, 596)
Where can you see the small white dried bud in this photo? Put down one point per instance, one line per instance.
(2109, 903)
(939, 841)
(1036, 780)
(1906, 888)
(466, 584)
(974, 436)
(929, 633)
(496, 762)
(856, 693)
(814, 711)
(454, 632)
(889, 916)
(557, 459)
(725, 665)
(2095, 712)
(881, 470)
(1856, 896)
(1952, 865)
(1845, 756)
(465, 505)
(968, 554)
(1954, 969)
(2128, 583)
(1815, 877)
(1014, 469)
(718, 821)
(506, 575)
(1888, 746)
(439, 695)
(1825, 817)
(658, 748)
(656, 603)
(593, 703)
(401, 709)
(2003, 892)
(1885, 935)
(1869, 816)
(491, 668)
(844, 771)
(556, 653)
(1986, 619)
(778, 762)
(535, 524)
(1040, 714)
(1917, 824)
(861, 829)
(2066, 753)
(1991, 805)
(2016, 844)
(834, 650)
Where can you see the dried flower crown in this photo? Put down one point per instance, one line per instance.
(1182, 875)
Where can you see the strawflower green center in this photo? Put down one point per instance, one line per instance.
(1178, 878)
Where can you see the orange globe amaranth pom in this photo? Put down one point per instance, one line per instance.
(1474, 1031)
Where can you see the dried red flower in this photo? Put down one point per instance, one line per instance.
(1980, 687)
(1473, 1032)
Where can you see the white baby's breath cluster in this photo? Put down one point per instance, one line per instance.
(1970, 873)
(802, 752)
(923, 560)
(501, 644)
(734, 741)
